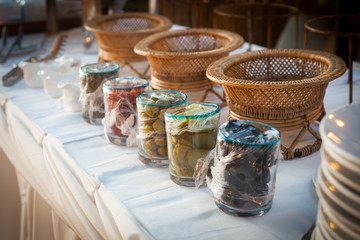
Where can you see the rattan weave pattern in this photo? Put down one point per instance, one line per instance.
(278, 68)
(281, 87)
(179, 59)
(117, 34)
(276, 84)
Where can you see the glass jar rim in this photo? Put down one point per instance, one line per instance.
(105, 67)
(183, 95)
(273, 142)
(144, 83)
(208, 114)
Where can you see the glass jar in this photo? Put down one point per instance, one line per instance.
(243, 175)
(151, 107)
(92, 77)
(120, 109)
(191, 132)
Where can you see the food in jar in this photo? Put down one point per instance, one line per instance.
(191, 135)
(151, 106)
(243, 174)
(92, 77)
(120, 106)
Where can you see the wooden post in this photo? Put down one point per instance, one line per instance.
(51, 17)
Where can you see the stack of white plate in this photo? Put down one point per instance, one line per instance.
(338, 180)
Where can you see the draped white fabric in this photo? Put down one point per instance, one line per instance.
(41, 159)
(9, 200)
(74, 184)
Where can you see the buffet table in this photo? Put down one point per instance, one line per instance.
(74, 184)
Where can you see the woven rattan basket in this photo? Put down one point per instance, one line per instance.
(179, 59)
(117, 34)
(281, 87)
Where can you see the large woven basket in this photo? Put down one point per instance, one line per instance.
(117, 34)
(179, 59)
(281, 87)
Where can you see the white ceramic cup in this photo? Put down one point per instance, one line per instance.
(70, 96)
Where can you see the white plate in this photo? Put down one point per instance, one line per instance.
(327, 195)
(340, 132)
(314, 177)
(345, 175)
(341, 229)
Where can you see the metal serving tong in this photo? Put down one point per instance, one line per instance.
(16, 74)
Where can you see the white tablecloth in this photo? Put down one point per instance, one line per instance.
(73, 183)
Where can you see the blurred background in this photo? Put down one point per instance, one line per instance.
(196, 13)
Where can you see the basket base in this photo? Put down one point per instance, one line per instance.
(185, 84)
(144, 74)
(120, 55)
(204, 86)
(302, 122)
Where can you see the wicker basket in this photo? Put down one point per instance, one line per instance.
(117, 34)
(280, 87)
(179, 59)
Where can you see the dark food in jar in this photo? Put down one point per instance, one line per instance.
(245, 162)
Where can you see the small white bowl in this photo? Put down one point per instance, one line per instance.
(52, 77)
(70, 96)
(31, 69)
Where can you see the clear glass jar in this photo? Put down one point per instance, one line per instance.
(120, 109)
(244, 172)
(92, 77)
(151, 107)
(191, 132)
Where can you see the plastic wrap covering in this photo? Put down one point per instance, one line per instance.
(191, 134)
(120, 122)
(202, 168)
(151, 107)
(92, 77)
(243, 174)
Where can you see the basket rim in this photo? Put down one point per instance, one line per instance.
(164, 23)
(143, 46)
(220, 10)
(308, 25)
(337, 67)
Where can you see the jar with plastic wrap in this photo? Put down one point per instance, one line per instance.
(191, 134)
(243, 174)
(151, 107)
(92, 77)
(120, 122)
